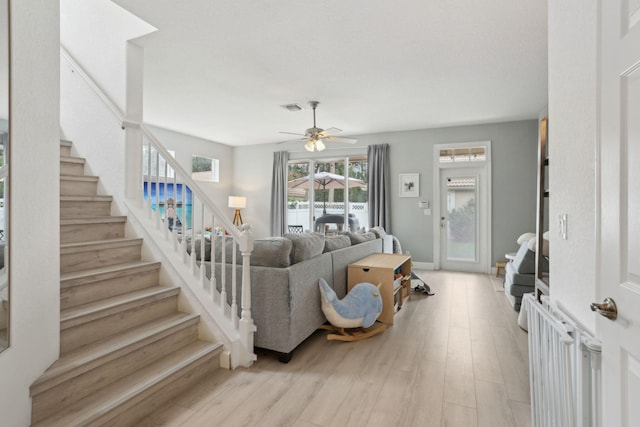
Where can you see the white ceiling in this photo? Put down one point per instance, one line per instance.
(221, 69)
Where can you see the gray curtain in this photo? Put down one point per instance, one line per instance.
(279, 193)
(379, 181)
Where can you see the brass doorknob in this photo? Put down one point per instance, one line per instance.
(607, 309)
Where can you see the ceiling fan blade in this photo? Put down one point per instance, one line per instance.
(341, 139)
(294, 133)
(331, 131)
(293, 140)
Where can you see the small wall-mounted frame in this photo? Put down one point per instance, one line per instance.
(409, 185)
(205, 169)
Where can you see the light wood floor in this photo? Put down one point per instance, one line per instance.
(454, 359)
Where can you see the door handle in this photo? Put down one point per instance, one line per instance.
(607, 308)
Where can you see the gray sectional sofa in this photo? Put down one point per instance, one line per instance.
(284, 282)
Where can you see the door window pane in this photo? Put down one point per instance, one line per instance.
(461, 214)
(329, 206)
(359, 193)
(298, 195)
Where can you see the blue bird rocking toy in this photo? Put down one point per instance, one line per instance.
(354, 316)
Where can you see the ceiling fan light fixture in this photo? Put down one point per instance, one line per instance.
(310, 145)
(314, 135)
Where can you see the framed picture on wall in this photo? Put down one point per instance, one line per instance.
(409, 185)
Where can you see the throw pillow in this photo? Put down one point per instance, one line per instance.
(271, 252)
(357, 238)
(332, 243)
(305, 245)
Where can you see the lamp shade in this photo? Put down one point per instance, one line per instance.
(237, 202)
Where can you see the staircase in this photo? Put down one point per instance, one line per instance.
(125, 348)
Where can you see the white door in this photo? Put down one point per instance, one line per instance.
(620, 210)
(462, 219)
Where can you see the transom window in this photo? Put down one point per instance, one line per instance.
(459, 155)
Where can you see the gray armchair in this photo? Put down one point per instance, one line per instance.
(520, 275)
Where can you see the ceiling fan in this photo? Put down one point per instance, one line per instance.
(316, 136)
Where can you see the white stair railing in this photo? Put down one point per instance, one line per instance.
(214, 283)
(200, 227)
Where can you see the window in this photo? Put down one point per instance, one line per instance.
(205, 169)
(326, 212)
(459, 155)
(153, 162)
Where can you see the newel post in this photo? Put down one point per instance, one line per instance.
(246, 326)
(131, 123)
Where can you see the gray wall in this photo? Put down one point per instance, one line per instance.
(514, 152)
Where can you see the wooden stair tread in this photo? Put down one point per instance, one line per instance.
(108, 306)
(100, 352)
(93, 220)
(87, 178)
(128, 391)
(71, 159)
(66, 248)
(86, 198)
(101, 273)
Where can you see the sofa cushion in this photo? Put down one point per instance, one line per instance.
(516, 290)
(357, 238)
(524, 261)
(198, 248)
(305, 245)
(272, 252)
(339, 241)
(267, 252)
(512, 276)
(228, 242)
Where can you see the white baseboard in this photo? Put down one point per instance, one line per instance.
(423, 265)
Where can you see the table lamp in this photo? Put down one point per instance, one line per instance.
(237, 202)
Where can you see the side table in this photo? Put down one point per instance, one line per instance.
(503, 264)
(392, 272)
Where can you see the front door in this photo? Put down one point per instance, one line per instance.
(619, 258)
